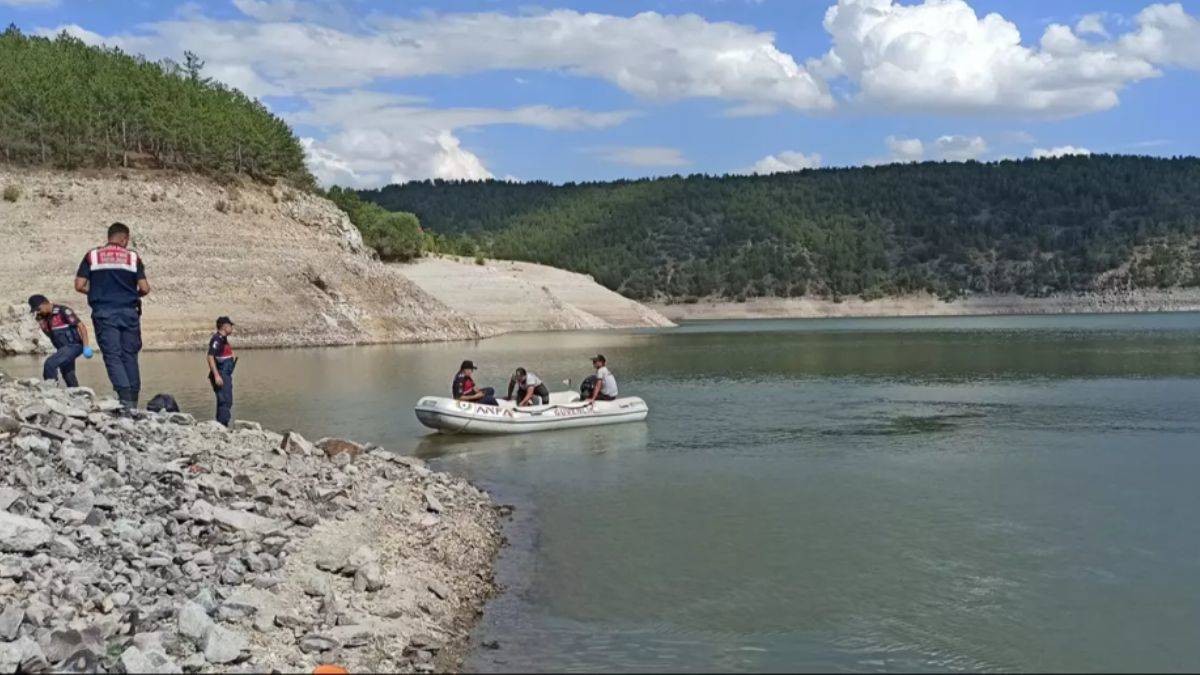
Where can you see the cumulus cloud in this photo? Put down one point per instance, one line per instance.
(1059, 151)
(650, 55)
(940, 56)
(960, 148)
(643, 156)
(905, 149)
(1092, 24)
(788, 160)
(377, 138)
(1165, 34)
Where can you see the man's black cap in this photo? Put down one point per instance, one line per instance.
(467, 364)
(599, 357)
(222, 320)
(36, 301)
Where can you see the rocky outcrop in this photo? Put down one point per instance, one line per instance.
(153, 543)
(19, 333)
(288, 266)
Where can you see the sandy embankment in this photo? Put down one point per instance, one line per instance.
(505, 295)
(1150, 300)
(287, 266)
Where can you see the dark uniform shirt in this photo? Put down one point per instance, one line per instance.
(60, 326)
(463, 385)
(113, 273)
(219, 349)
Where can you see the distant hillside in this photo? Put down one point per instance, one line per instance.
(64, 104)
(1031, 227)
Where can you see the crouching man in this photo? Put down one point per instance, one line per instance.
(66, 332)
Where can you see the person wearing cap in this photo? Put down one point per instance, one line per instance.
(605, 387)
(114, 279)
(528, 386)
(463, 388)
(66, 332)
(221, 363)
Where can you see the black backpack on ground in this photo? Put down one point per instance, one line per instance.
(163, 403)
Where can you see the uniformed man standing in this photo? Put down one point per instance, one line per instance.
(68, 335)
(114, 279)
(221, 362)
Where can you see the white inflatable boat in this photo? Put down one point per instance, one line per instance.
(565, 411)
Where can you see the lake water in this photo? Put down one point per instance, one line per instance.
(1016, 493)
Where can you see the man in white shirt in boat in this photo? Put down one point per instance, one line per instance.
(529, 388)
(605, 387)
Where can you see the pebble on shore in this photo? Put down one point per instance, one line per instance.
(155, 543)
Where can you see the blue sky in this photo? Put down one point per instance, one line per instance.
(392, 91)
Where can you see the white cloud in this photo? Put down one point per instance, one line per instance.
(905, 149)
(1092, 24)
(645, 156)
(650, 55)
(788, 160)
(1059, 151)
(29, 3)
(373, 157)
(940, 56)
(949, 147)
(960, 148)
(1165, 34)
(378, 138)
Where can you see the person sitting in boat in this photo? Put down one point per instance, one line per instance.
(464, 389)
(530, 389)
(605, 385)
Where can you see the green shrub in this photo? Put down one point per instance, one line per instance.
(12, 193)
(397, 237)
(479, 260)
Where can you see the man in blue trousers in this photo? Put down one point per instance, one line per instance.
(221, 363)
(68, 335)
(114, 279)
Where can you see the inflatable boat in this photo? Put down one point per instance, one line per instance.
(564, 411)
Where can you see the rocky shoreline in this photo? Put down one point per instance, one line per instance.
(155, 543)
(1100, 302)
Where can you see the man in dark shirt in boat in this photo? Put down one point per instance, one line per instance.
(464, 389)
(529, 388)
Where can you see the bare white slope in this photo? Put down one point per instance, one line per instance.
(518, 296)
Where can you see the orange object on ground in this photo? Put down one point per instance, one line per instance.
(329, 669)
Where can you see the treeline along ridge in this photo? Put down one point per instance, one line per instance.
(1032, 227)
(66, 104)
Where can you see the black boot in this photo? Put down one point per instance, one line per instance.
(134, 395)
(125, 396)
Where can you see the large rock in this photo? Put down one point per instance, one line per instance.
(245, 521)
(338, 446)
(194, 622)
(19, 534)
(223, 645)
(13, 654)
(135, 660)
(296, 444)
(10, 621)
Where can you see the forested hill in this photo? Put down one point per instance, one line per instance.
(65, 104)
(1032, 227)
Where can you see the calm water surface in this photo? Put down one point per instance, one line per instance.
(861, 495)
